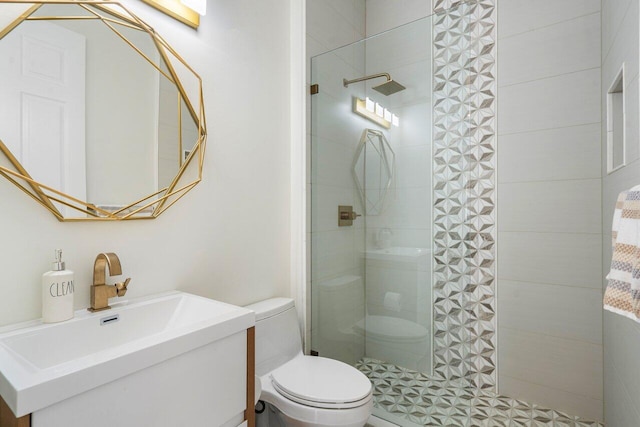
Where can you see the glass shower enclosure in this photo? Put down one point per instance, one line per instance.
(372, 213)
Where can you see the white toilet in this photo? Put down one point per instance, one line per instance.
(304, 390)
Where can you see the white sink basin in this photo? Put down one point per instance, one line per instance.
(42, 364)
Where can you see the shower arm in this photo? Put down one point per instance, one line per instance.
(361, 79)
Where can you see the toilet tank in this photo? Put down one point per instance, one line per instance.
(341, 303)
(278, 337)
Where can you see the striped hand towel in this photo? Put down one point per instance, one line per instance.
(622, 295)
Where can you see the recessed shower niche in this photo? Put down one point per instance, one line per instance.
(616, 143)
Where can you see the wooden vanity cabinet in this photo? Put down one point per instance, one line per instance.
(7, 419)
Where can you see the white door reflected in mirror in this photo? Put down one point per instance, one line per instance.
(42, 115)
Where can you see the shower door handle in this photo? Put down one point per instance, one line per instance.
(346, 215)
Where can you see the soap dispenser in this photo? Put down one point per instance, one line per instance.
(57, 292)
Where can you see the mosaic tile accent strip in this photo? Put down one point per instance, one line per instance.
(481, 200)
(441, 5)
(464, 192)
(429, 401)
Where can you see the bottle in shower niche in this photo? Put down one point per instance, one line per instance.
(57, 292)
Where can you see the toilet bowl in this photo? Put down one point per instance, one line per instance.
(304, 390)
(396, 340)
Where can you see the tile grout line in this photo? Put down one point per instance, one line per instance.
(549, 129)
(524, 82)
(564, 21)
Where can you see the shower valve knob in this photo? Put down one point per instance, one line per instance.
(346, 215)
(349, 215)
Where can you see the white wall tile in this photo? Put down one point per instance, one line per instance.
(408, 65)
(325, 200)
(632, 114)
(547, 397)
(314, 47)
(411, 286)
(403, 237)
(619, 407)
(571, 259)
(404, 208)
(560, 311)
(518, 16)
(566, 100)
(331, 163)
(383, 15)
(415, 127)
(549, 204)
(402, 46)
(353, 11)
(624, 48)
(613, 13)
(549, 51)
(333, 254)
(622, 344)
(329, 69)
(330, 27)
(549, 155)
(413, 166)
(558, 206)
(558, 363)
(333, 120)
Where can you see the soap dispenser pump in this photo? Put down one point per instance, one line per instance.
(57, 292)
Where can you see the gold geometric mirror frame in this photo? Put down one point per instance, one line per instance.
(171, 67)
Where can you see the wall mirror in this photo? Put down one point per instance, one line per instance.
(100, 119)
(373, 169)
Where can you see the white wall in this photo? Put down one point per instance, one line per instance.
(228, 239)
(549, 204)
(621, 335)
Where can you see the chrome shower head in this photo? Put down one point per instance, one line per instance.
(387, 88)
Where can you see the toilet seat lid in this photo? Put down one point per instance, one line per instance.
(321, 382)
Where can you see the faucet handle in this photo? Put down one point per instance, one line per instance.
(122, 287)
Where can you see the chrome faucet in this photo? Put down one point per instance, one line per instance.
(100, 291)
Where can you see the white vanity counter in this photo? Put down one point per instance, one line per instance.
(44, 364)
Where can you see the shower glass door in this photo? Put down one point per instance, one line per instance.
(372, 271)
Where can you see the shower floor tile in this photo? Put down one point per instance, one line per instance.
(424, 400)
